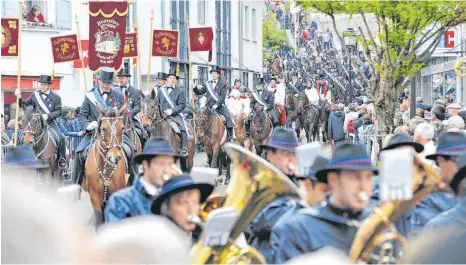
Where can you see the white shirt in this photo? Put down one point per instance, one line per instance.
(429, 149)
(312, 95)
(280, 94)
(151, 189)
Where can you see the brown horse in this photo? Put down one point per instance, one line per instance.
(160, 127)
(241, 135)
(105, 165)
(277, 66)
(293, 111)
(210, 127)
(261, 128)
(35, 133)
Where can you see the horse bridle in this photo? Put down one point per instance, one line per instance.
(29, 129)
(114, 143)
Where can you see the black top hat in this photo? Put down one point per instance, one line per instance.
(215, 69)
(23, 156)
(124, 72)
(46, 79)
(260, 81)
(460, 174)
(450, 144)
(237, 80)
(283, 139)
(294, 73)
(319, 163)
(173, 73)
(321, 76)
(347, 156)
(106, 75)
(402, 139)
(161, 75)
(273, 78)
(154, 147)
(178, 184)
(243, 89)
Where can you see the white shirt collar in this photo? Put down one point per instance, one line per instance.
(47, 93)
(151, 189)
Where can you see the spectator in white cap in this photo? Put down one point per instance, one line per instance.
(453, 109)
(423, 134)
(454, 122)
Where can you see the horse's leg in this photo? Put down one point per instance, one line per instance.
(191, 147)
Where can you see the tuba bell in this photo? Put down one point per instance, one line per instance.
(254, 184)
(375, 240)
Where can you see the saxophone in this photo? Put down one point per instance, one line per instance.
(254, 184)
(374, 240)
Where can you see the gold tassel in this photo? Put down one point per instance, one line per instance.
(53, 75)
(177, 73)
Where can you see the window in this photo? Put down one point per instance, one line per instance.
(202, 74)
(246, 24)
(245, 80)
(256, 78)
(54, 13)
(254, 27)
(201, 12)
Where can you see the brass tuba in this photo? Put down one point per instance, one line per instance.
(374, 240)
(254, 184)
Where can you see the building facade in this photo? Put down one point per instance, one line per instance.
(237, 46)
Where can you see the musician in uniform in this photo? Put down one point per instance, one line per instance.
(157, 160)
(161, 80)
(172, 102)
(335, 221)
(217, 91)
(89, 115)
(456, 216)
(49, 105)
(266, 98)
(295, 85)
(180, 201)
(133, 98)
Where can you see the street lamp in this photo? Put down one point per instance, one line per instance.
(350, 41)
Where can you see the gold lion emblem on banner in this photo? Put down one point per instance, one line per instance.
(166, 43)
(201, 38)
(126, 49)
(6, 37)
(64, 48)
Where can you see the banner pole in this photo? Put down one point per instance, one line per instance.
(139, 56)
(150, 49)
(18, 77)
(81, 53)
(191, 94)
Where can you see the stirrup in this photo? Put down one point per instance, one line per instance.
(184, 152)
(62, 164)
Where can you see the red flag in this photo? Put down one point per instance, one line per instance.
(65, 48)
(85, 54)
(165, 43)
(131, 47)
(107, 31)
(10, 36)
(201, 39)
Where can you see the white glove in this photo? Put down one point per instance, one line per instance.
(168, 112)
(91, 126)
(199, 86)
(45, 117)
(296, 95)
(215, 106)
(265, 108)
(18, 92)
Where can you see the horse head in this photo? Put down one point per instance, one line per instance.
(33, 126)
(149, 110)
(202, 120)
(111, 126)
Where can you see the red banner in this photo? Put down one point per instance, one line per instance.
(65, 48)
(200, 39)
(165, 43)
(131, 46)
(85, 54)
(107, 31)
(10, 36)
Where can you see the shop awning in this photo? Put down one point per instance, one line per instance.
(27, 82)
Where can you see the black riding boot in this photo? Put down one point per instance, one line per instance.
(184, 144)
(247, 124)
(231, 135)
(62, 162)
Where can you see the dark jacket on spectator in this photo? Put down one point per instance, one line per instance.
(335, 125)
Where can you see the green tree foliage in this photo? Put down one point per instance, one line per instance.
(272, 37)
(406, 35)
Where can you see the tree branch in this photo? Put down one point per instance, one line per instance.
(368, 31)
(388, 44)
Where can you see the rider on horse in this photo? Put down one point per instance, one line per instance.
(295, 85)
(161, 81)
(172, 102)
(325, 93)
(49, 105)
(217, 91)
(133, 98)
(89, 116)
(312, 94)
(266, 99)
(279, 97)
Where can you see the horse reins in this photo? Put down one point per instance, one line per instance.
(103, 153)
(28, 129)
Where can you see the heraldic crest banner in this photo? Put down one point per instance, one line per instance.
(107, 32)
(65, 48)
(131, 45)
(10, 36)
(165, 43)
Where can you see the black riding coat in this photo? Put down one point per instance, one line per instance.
(53, 102)
(179, 99)
(134, 99)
